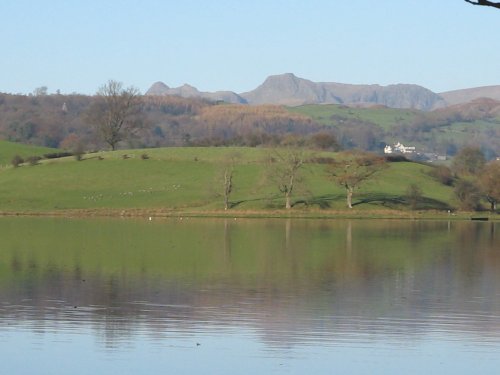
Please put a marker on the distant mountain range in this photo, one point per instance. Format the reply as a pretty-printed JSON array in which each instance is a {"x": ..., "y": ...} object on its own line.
[{"x": 288, "y": 89}]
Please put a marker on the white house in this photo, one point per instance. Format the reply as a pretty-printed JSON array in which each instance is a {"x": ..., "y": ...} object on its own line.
[{"x": 399, "y": 147}]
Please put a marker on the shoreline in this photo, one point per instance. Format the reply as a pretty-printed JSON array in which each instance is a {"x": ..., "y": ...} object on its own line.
[{"x": 257, "y": 214}]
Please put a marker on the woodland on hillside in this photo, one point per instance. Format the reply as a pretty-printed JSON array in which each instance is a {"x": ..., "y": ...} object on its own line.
[
  {"x": 447, "y": 130},
  {"x": 63, "y": 121}
]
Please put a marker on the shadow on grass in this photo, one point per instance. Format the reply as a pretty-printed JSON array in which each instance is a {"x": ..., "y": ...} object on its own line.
[
  {"x": 237, "y": 203},
  {"x": 399, "y": 201},
  {"x": 390, "y": 201},
  {"x": 326, "y": 202},
  {"x": 323, "y": 201}
]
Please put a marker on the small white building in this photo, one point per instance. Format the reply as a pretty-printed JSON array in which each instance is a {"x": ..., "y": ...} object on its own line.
[{"x": 399, "y": 147}]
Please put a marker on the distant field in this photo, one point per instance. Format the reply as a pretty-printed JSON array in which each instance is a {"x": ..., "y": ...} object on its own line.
[
  {"x": 384, "y": 117},
  {"x": 428, "y": 131},
  {"x": 462, "y": 131},
  {"x": 190, "y": 179}
]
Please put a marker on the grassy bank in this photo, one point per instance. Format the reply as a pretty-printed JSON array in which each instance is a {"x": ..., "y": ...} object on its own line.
[
  {"x": 187, "y": 181},
  {"x": 9, "y": 149}
]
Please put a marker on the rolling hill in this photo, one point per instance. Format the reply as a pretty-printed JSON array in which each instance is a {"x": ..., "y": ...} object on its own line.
[
  {"x": 189, "y": 180},
  {"x": 442, "y": 131},
  {"x": 471, "y": 94},
  {"x": 9, "y": 149}
]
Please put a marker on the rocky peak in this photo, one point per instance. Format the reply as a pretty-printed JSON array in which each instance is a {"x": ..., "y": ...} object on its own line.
[
  {"x": 158, "y": 88},
  {"x": 288, "y": 89},
  {"x": 285, "y": 89},
  {"x": 187, "y": 91}
]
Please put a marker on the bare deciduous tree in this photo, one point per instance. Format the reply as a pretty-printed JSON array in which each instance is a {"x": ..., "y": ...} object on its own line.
[
  {"x": 40, "y": 91},
  {"x": 352, "y": 169},
  {"x": 468, "y": 195},
  {"x": 228, "y": 186},
  {"x": 484, "y": 3},
  {"x": 116, "y": 112},
  {"x": 285, "y": 165},
  {"x": 227, "y": 177},
  {"x": 468, "y": 161},
  {"x": 413, "y": 195},
  {"x": 489, "y": 182}
]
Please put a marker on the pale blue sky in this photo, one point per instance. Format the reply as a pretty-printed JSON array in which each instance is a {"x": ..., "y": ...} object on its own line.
[{"x": 77, "y": 45}]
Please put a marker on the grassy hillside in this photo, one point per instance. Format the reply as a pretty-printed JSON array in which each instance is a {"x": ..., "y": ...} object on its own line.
[
  {"x": 189, "y": 179},
  {"x": 9, "y": 149},
  {"x": 381, "y": 116},
  {"x": 442, "y": 131}
]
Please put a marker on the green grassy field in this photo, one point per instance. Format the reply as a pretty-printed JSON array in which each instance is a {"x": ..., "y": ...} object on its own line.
[
  {"x": 9, "y": 149},
  {"x": 384, "y": 117},
  {"x": 189, "y": 180}
]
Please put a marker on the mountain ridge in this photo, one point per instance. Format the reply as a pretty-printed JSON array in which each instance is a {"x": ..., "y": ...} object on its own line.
[
  {"x": 288, "y": 89},
  {"x": 187, "y": 91},
  {"x": 470, "y": 94}
]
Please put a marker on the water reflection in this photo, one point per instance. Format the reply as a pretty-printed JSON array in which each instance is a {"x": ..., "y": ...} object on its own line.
[{"x": 285, "y": 283}]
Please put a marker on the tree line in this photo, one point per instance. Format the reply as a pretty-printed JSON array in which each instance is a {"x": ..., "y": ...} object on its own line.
[
  {"x": 118, "y": 116},
  {"x": 74, "y": 122}
]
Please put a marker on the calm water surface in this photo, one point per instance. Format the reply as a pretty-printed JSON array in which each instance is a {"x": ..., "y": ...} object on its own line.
[{"x": 248, "y": 296}]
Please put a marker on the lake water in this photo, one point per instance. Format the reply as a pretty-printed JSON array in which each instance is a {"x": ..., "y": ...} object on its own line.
[{"x": 202, "y": 296}]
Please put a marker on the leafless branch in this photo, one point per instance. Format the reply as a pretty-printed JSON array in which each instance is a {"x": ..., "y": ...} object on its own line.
[{"x": 485, "y": 3}]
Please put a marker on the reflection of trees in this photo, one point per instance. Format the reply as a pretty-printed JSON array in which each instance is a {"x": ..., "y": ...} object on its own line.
[
  {"x": 288, "y": 231},
  {"x": 227, "y": 240},
  {"x": 348, "y": 237},
  {"x": 492, "y": 232},
  {"x": 291, "y": 280}
]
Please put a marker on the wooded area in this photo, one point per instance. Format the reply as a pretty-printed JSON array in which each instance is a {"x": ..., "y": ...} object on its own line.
[{"x": 68, "y": 122}]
